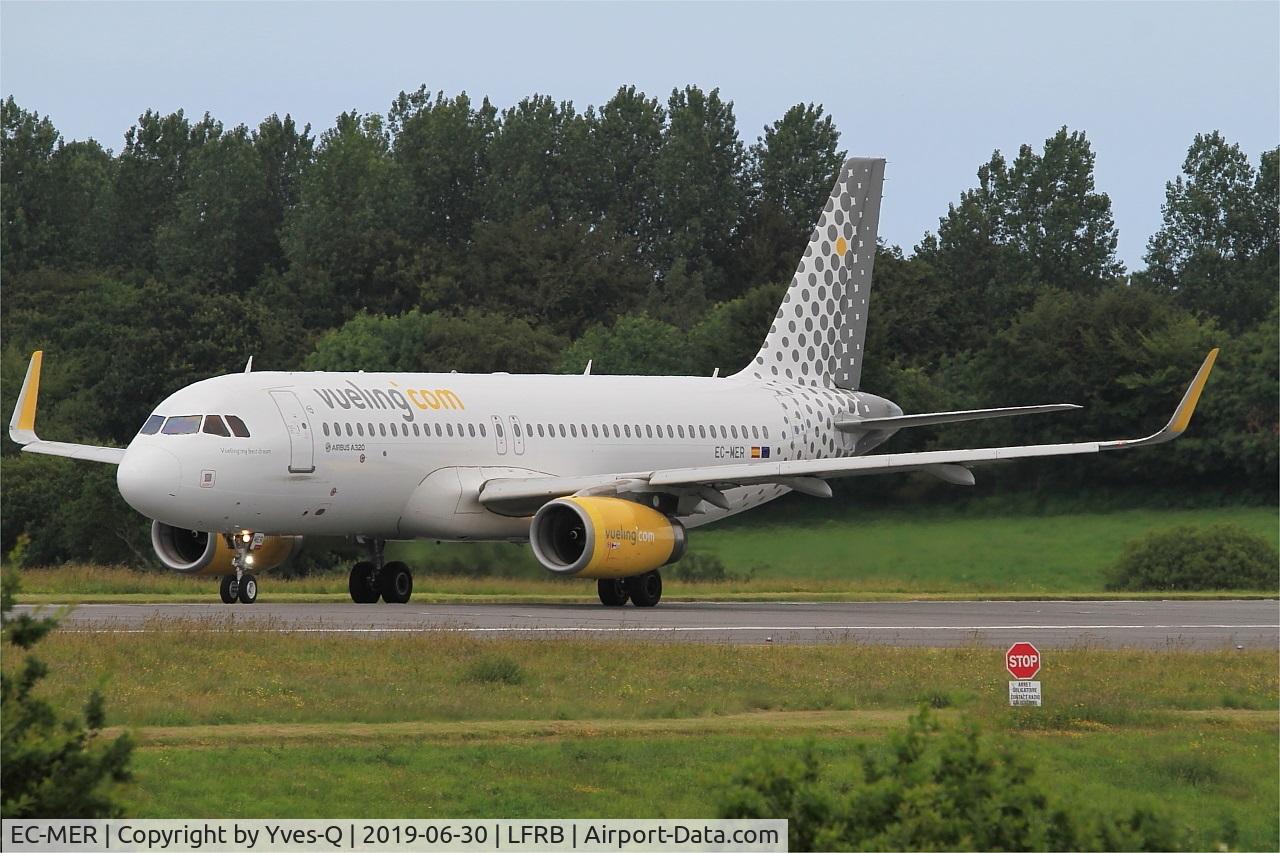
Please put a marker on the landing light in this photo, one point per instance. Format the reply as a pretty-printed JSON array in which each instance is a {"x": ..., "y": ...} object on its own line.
[
  {"x": 246, "y": 536},
  {"x": 248, "y": 561}
]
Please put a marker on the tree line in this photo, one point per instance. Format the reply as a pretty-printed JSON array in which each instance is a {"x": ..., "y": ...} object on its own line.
[{"x": 643, "y": 234}]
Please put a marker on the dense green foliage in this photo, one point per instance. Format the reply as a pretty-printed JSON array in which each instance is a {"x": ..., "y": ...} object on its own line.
[
  {"x": 643, "y": 235},
  {"x": 53, "y": 766},
  {"x": 935, "y": 788},
  {"x": 1224, "y": 556}
]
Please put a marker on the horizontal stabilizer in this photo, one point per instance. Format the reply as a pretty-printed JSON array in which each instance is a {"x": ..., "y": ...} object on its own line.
[{"x": 855, "y": 424}]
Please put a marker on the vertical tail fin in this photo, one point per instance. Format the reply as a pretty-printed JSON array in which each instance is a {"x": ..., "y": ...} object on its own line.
[{"x": 817, "y": 335}]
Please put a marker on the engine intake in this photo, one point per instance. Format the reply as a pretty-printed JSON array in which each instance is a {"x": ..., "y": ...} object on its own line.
[
  {"x": 196, "y": 552},
  {"x": 604, "y": 537}
]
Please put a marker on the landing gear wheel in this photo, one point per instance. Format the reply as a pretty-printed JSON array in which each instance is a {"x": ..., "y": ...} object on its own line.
[
  {"x": 613, "y": 591},
  {"x": 229, "y": 589},
  {"x": 360, "y": 584},
  {"x": 248, "y": 591},
  {"x": 396, "y": 582},
  {"x": 645, "y": 589}
]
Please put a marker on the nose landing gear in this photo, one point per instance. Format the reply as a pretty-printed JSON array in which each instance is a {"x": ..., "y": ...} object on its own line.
[
  {"x": 242, "y": 586},
  {"x": 372, "y": 579}
]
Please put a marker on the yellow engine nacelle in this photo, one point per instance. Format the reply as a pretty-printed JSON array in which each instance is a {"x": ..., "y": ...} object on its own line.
[
  {"x": 195, "y": 552},
  {"x": 604, "y": 537}
]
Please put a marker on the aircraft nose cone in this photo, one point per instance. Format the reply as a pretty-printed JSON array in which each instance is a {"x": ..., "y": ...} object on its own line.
[{"x": 148, "y": 479}]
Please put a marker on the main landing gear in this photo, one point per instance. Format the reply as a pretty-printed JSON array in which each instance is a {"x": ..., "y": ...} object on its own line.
[
  {"x": 372, "y": 579},
  {"x": 643, "y": 590},
  {"x": 242, "y": 586}
]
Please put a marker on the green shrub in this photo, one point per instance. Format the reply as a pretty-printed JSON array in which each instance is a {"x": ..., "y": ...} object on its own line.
[
  {"x": 697, "y": 566},
  {"x": 1224, "y": 556},
  {"x": 54, "y": 766},
  {"x": 935, "y": 788}
]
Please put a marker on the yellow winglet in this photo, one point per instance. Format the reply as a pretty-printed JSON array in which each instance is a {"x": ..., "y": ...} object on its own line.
[
  {"x": 1182, "y": 416},
  {"x": 22, "y": 426}
]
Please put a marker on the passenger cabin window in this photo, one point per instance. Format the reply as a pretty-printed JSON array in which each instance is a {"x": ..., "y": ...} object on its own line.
[
  {"x": 182, "y": 425},
  {"x": 152, "y": 426},
  {"x": 213, "y": 425},
  {"x": 238, "y": 429}
]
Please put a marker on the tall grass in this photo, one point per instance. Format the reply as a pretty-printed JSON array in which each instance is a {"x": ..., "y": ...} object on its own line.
[{"x": 190, "y": 675}]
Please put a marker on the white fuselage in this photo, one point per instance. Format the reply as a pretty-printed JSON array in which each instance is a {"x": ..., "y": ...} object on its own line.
[{"x": 399, "y": 455}]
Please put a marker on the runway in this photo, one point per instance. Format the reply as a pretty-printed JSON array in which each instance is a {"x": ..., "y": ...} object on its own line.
[{"x": 1112, "y": 624}]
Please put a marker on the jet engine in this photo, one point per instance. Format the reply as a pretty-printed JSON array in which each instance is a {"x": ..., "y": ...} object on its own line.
[
  {"x": 592, "y": 537},
  {"x": 195, "y": 552}
]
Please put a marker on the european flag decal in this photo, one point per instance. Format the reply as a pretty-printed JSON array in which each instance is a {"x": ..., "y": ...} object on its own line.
[{"x": 764, "y": 453}]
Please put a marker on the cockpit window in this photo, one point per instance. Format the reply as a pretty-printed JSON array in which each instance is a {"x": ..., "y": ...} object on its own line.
[
  {"x": 213, "y": 425},
  {"x": 182, "y": 425},
  {"x": 152, "y": 426},
  {"x": 238, "y": 429}
]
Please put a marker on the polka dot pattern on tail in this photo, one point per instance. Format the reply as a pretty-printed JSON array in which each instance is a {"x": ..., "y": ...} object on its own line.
[{"x": 818, "y": 333}]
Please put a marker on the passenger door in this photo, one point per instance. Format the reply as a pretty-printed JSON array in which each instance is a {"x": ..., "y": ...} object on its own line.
[{"x": 296, "y": 423}]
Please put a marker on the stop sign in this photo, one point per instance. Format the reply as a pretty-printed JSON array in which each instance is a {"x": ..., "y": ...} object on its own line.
[{"x": 1022, "y": 661}]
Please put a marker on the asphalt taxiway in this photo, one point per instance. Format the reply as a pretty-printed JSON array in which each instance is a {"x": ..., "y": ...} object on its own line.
[{"x": 1171, "y": 625}]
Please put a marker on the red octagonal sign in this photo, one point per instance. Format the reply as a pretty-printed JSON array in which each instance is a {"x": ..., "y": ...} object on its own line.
[{"x": 1022, "y": 661}]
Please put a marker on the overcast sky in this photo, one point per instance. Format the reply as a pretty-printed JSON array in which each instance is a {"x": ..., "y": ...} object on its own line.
[{"x": 932, "y": 87}]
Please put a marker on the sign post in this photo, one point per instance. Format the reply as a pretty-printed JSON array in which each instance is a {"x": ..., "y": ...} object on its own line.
[{"x": 1023, "y": 662}]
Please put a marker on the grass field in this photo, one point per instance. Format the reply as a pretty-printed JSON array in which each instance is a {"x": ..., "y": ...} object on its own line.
[
  {"x": 449, "y": 726},
  {"x": 809, "y": 555}
]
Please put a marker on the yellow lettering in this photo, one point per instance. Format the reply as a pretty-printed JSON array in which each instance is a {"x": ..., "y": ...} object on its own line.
[
  {"x": 441, "y": 398},
  {"x": 448, "y": 399}
]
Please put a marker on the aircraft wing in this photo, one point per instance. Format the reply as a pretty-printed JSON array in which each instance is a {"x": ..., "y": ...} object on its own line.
[
  {"x": 22, "y": 425},
  {"x": 516, "y": 495}
]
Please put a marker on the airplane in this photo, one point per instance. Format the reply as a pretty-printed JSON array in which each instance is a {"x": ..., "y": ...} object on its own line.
[{"x": 603, "y": 476}]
